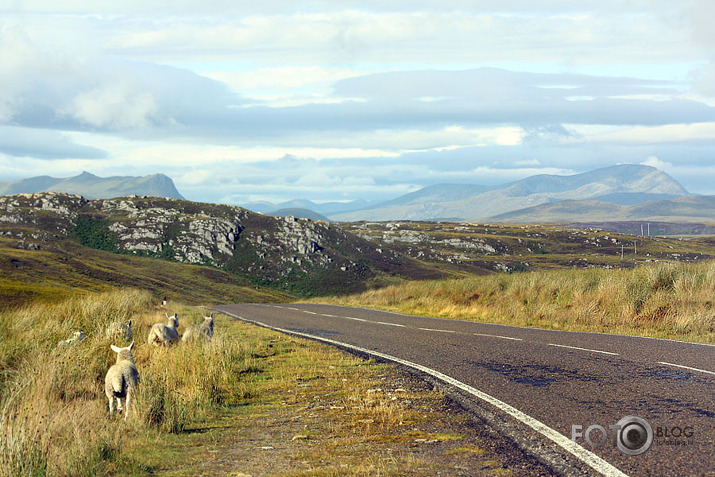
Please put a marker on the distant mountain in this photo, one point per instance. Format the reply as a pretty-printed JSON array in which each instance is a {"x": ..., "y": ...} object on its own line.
[
  {"x": 323, "y": 209},
  {"x": 683, "y": 209},
  {"x": 438, "y": 193},
  {"x": 94, "y": 187},
  {"x": 626, "y": 184}
]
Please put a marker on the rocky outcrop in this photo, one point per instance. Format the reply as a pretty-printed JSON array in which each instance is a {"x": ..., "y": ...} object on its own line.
[
  {"x": 164, "y": 227},
  {"x": 267, "y": 249}
]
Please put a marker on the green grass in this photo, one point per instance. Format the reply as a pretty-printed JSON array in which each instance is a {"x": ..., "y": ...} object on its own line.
[
  {"x": 674, "y": 300},
  {"x": 67, "y": 268}
]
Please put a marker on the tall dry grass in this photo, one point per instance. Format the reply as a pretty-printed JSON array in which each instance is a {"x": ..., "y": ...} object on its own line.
[
  {"x": 52, "y": 421},
  {"x": 53, "y": 411},
  {"x": 660, "y": 300}
]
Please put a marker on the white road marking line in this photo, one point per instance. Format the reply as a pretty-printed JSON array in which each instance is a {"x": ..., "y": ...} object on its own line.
[
  {"x": 389, "y": 324},
  {"x": 440, "y": 331},
  {"x": 498, "y": 336},
  {"x": 586, "y": 456},
  {"x": 309, "y": 312},
  {"x": 686, "y": 367},
  {"x": 423, "y": 329},
  {"x": 584, "y": 349}
]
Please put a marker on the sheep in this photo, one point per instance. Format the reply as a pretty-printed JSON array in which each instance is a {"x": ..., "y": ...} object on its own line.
[
  {"x": 122, "y": 380},
  {"x": 203, "y": 331},
  {"x": 117, "y": 330},
  {"x": 77, "y": 336},
  {"x": 161, "y": 334}
]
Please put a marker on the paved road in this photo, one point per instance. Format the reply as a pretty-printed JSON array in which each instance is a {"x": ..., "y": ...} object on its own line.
[{"x": 539, "y": 384}]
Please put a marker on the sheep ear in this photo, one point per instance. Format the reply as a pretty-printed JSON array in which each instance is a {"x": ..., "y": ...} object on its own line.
[
  {"x": 115, "y": 349},
  {"x": 130, "y": 323},
  {"x": 131, "y": 346}
]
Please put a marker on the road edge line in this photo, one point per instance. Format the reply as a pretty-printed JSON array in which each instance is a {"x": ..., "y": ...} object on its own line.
[{"x": 589, "y": 458}]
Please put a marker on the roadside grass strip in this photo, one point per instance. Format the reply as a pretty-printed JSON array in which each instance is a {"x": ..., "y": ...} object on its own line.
[{"x": 594, "y": 461}]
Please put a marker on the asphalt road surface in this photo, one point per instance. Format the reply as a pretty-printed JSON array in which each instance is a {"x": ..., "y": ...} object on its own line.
[{"x": 545, "y": 389}]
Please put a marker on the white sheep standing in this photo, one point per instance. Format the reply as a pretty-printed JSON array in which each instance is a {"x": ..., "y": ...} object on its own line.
[
  {"x": 77, "y": 336},
  {"x": 122, "y": 380},
  {"x": 161, "y": 334},
  {"x": 203, "y": 331},
  {"x": 117, "y": 330}
]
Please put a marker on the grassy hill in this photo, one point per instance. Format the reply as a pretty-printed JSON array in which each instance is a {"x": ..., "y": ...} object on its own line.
[
  {"x": 53, "y": 244},
  {"x": 66, "y": 268},
  {"x": 298, "y": 256}
]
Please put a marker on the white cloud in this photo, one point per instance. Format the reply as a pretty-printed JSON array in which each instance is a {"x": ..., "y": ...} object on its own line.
[
  {"x": 670, "y": 133},
  {"x": 653, "y": 161},
  {"x": 330, "y": 98},
  {"x": 114, "y": 106}
]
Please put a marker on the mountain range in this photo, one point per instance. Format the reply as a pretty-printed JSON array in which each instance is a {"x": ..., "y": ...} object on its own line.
[
  {"x": 682, "y": 209},
  {"x": 94, "y": 187},
  {"x": 305, "y": 207},
  {"x": 622, "y": 185},
  {"x": 626, "y": 192}
]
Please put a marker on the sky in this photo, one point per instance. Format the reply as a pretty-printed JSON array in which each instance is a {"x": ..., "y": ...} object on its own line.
[{"x": 336, "y": 100}]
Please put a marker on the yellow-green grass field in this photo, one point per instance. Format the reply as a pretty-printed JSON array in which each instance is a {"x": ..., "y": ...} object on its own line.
[
  {"x": 250, "y": 402},
  {"x": 674, "y": 300}
]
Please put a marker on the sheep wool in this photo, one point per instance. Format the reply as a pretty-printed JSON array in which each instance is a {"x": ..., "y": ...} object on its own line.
[
  {"x": 122, "y": 380},
  {"x": 161, "y": 334},
  {"x": 202, "y": 331}
]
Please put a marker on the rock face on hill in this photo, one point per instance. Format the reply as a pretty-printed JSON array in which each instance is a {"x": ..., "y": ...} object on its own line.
[{"x": 299, "y": 254}]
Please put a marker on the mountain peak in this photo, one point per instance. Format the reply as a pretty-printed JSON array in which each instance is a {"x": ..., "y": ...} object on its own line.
[{"x": 84, "y": 176}]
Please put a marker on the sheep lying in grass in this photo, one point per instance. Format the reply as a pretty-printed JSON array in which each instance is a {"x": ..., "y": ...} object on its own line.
[
  {"x": 122, "y": 380},
  {"x": 161, "y": 334},
  {"x": 203, "y": 331},
  {"x": 121, "y": 331},
  {"x": 76, "y": 338}
]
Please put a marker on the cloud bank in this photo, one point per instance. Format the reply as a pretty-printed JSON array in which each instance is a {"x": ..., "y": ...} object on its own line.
[{"x": 344, "y": 100}]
